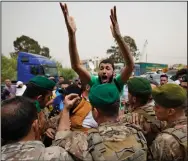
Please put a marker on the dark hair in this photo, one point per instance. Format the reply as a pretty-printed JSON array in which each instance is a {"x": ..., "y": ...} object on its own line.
[
  {"x": 17, "y": 116},
  {"x": 109, "y": 61},
  {"x": 164, "y": 75},
  {"x": 143, "y": 99},
  {"x": 65, "y": 82},
  {"x": 184, "y": 78},
  {"x": 61, "y": 76},
  {"x": 181, "y": 72},
  {"x": 73, "y": 88},
  {"x": 33, "y": 91},
  {"x": 110, "y": 110}
]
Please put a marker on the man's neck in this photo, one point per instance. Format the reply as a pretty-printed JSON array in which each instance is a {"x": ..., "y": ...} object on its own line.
[
  {"x": 176, "y": 117},
  {"x": 107, "y": 119},
  {"x": 29, "y": 137}
]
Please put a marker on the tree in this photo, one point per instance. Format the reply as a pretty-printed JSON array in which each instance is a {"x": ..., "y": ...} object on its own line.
[
  {"x": 27, "y": 44},
  {"x": 45, "y": 51},
  {"x": 8, "y": 68},
  {"x": 67, "y": 73},
  {"x": 115, "y": 54}
]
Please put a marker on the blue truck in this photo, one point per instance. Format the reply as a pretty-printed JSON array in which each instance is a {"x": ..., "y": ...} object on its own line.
[{"x": 30, "y": 65}]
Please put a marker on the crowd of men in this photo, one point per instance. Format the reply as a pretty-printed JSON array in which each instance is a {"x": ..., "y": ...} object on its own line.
[{"x": 86, "y": 121}]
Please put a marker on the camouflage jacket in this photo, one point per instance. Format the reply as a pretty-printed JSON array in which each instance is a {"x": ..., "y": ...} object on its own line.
[
  {"x": 166, "y": 147},
  {"x": 150, "y": 125},
  {"x": 35, "y": 150},
  {"x": 111, "y": 141}
]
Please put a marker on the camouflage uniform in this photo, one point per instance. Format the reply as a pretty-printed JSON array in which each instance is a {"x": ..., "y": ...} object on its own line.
[
  {"x": 171, "y": 144},
  {"x": 154, "y": 126},
  {"x": 35, "y": 150},
  {"x": 112, "y": 141}
]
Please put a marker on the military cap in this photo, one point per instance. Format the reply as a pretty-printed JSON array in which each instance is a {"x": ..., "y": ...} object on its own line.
[
  {"x": 169, "y": 95},
  {"x": 103, "y": 94},
  {"x": 139, "y": 86},
  {"x": 43, "y": 82}
]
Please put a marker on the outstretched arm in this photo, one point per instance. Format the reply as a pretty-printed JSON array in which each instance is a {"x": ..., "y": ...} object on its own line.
[
  {"x": 127, "y": 71},
  {"x": 73, "y": 51}
]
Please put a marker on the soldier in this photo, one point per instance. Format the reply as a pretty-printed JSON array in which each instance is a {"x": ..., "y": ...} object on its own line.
[
  {"x": 141, "y": 106},
  {"x": 22, "y": 129},
  {"x": 171, "y": 143},
  {"x": 112, "y": 140}
]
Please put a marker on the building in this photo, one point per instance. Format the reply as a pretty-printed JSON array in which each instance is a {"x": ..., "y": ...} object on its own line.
[{"x": 95, "y": 61}]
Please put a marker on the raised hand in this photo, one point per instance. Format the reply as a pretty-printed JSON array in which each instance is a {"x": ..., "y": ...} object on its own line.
[
  {"x": 70, "y": 100},
  {"x": 114, "y": 26},
  {"x": 70, "y": 23}
]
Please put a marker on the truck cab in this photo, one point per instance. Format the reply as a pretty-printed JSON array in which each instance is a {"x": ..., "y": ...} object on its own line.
[{"x": 30, "y": 65}]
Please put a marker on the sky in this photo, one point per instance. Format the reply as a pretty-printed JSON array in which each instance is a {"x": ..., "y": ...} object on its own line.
[{"x": 162, "y": 24}]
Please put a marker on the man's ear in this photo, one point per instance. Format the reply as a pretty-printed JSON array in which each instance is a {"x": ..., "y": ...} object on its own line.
[
  {"x": 95, "y": 113},
  {"x": 36, "y": 129},
  {"x": 134, "y": 99},
  {"x": 39, "y": 98},
  {"x": 171, "y": 112}
]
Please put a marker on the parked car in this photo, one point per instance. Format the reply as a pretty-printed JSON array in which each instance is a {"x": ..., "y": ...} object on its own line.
[
  {"x": 172, "y": 74},
  {"x": 147, "y": 73}
]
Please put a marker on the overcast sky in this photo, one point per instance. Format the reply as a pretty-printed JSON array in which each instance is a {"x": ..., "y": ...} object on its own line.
[{"x": 163, "y": 24}]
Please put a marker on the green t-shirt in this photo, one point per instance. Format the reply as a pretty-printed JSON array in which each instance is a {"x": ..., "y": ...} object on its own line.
[{"x": 117, "y": 81}]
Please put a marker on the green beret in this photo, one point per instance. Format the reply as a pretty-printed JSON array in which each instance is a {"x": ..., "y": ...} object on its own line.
[
  {"x": 139, "y": 86},
  {"x": 169, "y": 95},
  {"x": 43, "y": 82},
  {"x": 103, "y": 94}
]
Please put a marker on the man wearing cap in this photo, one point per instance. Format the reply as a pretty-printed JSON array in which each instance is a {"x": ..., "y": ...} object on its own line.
[
  {"x": 20, "y": 88},
  {"x": 40, "y": 90},
  {"x": 112, "y": 140},
  {"x": 141, "y": 108},
  {"x": 170, "y": 104}
]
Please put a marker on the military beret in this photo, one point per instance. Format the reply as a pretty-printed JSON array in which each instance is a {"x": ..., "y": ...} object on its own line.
[
  {"x": 169, "y": 95},
  {"x": 103, "y": 94},
  {"x": 43, "y": 82},
  {"x": 139, "y": 86}
]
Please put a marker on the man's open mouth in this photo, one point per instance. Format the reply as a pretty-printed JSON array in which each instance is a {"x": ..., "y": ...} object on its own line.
[{"x": 104, "y": 79}]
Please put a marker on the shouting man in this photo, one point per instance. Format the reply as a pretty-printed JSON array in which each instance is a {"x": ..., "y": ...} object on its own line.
[{"x": 106, "y": 67}]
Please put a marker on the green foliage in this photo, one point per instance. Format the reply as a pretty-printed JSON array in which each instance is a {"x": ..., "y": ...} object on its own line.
[
  {"x": 45, "y": 51},
  {"x": 68, "y": 73},
  {"x": 8, "y": 68},
  {"x": 27, "y": 44},
  {"x": 115, "y": 53}
]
